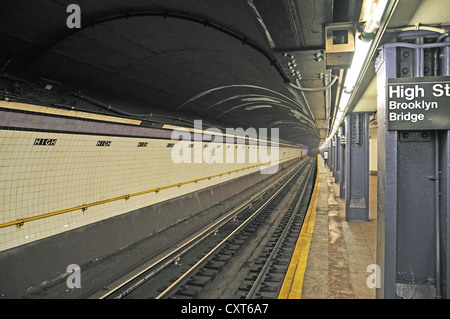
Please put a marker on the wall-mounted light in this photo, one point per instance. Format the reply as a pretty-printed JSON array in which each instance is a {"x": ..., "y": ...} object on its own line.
[
  {"x": 361, "y": 51},
  {"x": 371, "y": 16}
]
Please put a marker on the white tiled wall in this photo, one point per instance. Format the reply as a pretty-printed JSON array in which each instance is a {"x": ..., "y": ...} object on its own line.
[{"x": 40, "y": 179}]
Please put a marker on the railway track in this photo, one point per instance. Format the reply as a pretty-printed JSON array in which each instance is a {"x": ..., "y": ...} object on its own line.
[
  {"x": 245, "y": 254},
  {"x": 265, "y": 280}
]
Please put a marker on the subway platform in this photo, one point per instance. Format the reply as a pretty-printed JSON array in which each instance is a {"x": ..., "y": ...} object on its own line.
[{"x": 333, "y": 254}]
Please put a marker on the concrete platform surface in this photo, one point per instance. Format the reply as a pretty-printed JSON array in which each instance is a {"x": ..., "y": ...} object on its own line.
[{"x": 340, "y": 250}]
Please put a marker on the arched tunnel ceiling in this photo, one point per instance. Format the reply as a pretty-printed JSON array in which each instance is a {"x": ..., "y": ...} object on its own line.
[{"x": 223, "y": 62}]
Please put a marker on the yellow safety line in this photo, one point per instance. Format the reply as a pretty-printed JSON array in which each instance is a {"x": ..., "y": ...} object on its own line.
[
  {"x": 19, "y": 223},
  {"x": 293, "y": 281}
]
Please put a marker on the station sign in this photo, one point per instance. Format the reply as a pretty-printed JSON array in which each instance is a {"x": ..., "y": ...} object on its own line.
[
  {"x": 45, "y": 141},
  {"x": 103, "y": 143},
  {"x": 419, "y": 103}
]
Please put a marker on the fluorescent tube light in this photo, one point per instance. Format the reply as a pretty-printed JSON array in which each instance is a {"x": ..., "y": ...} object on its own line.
[
  {"x": 374, "y": 17},
  {"x": 359, "y": 57},
  {"x": 374, "y": 10}
]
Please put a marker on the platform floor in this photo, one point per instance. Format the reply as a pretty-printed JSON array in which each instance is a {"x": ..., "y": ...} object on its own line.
[{"x": 340, "y": 250}]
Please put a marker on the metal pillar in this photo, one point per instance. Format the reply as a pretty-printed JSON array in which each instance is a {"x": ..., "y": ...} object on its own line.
[
  {"x": 337, "y": 166},
  {"x": 413, "y": 168},
  {"x": 444, "y": 160},
  {"x": 342, "y": 161},
  {"x": 331, "y": 155},
  {"x": 444, "y": 187},
  {"x": 357, "y": 166}
]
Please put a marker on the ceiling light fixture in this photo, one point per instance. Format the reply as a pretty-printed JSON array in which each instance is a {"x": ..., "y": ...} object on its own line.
[{"x": 371, "y": 14}]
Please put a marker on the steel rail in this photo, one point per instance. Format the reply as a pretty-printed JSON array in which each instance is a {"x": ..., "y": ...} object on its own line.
[
  {"x": 256, "y": 284},
  {"x": 170, "y": 257},
  {"x": 221, "y": 243}
]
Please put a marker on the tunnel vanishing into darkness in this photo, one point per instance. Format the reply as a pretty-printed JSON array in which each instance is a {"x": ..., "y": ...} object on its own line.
[{"x": 95, "y": 97}]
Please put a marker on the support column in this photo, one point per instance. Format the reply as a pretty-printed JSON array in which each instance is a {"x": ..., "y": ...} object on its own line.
[
  {"x": 331, "y": 155},
  {"x": 342, "y": 161},
  {"x": 444, "y": 160},
  {"x": 337, "y": 166},
  {"x": 413, "y": 166},
  {"x": 357, "y": 166}
]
